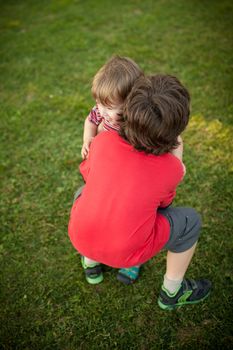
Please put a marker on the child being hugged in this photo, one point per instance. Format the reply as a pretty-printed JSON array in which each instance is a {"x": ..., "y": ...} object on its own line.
[
  {"x": 123, "y": 216},
  {"x": 110, "y": 87}
]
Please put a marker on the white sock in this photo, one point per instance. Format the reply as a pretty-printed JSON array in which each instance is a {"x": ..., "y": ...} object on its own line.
[
  {"x": 171, "y": 286},
  {"x": 89, "y": 262}
]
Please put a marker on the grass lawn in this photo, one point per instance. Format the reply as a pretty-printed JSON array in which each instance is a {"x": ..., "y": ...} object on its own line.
[{"x": 50, "y": 51}]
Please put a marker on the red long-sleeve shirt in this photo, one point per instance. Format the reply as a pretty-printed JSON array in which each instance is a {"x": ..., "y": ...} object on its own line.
[{"x": 115, "y": 220}]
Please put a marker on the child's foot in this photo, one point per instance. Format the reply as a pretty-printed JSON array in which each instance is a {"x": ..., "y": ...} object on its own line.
[
  {"x": 93, "y": 272},
  {"x": 190, "y": 292},
  {"x": 128, "y": 275}
]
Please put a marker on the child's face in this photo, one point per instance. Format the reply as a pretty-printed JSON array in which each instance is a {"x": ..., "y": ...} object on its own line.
[{"x": 110, "y": 113}]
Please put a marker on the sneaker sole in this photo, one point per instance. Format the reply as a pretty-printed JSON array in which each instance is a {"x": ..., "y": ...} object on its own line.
[
  {"x": 175, "y": 306},
  {"x": 96, "y": 280},
  {"x": 126, "y": 280}
]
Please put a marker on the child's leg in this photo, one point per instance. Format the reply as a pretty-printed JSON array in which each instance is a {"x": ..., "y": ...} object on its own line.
[
  {"x": 177, "y": 263},
  {"x": 92, "y": 269},
  {"x": 176, "y": 290}
]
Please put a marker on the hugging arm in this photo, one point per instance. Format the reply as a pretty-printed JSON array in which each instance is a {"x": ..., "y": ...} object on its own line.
[{"x": 90, "y": 131}]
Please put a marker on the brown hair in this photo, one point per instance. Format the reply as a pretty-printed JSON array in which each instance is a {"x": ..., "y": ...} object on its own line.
[
  {"x": 113, "y": 82},
  {"x": 156, "y": 112}
]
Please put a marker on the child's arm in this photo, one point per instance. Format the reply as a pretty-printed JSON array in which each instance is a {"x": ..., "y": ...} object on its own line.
[
  {"x": 90, "y": 131},
  {"x": 178, "y": 152},
  {"x": 100, "y": 127}
]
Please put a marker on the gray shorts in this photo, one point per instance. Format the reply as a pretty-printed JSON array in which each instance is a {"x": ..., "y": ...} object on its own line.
[
  {"x": 78, "y": 193},
  {"x": 185, "y": 225}
]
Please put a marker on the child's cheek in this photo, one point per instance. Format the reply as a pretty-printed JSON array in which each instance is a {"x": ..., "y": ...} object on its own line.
[{"x": 114, "y": 117}]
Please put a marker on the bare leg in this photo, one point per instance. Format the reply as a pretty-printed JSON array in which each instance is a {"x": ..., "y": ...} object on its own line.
[
  {"x": 177, "y": 291},
  {"x": 177, "y": 263}
]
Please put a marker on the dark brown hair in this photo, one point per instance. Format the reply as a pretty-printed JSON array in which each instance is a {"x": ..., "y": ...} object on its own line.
[
  {"x": 156, "y": 112},
  {"x": 113, "y": 82}
]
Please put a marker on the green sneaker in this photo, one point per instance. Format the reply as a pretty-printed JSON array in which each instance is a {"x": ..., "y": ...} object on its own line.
[
  {"x": 190, "y": 292},
  {"x": 93, "y": 273}
]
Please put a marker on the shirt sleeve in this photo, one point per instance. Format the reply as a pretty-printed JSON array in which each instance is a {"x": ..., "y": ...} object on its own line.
[{"x": 94, "y": 116}]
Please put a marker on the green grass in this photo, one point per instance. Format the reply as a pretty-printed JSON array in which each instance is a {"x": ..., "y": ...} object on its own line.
[{"x": 50, "y": 51}]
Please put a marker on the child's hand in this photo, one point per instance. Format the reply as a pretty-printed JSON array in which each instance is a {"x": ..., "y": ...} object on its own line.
[
  {"x": 85, "y": 148},
  {"x": 178, "y": 151}
]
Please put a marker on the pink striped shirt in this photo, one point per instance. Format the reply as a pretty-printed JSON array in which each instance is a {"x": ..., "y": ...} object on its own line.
[{"x": 96, "y": 118}]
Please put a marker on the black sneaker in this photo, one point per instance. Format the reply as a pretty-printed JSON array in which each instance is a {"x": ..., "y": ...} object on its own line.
[{"x": 190, "y": 292}]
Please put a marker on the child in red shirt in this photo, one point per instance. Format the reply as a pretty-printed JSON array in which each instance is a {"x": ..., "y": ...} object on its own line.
[{"x": 122, "y": 217}]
